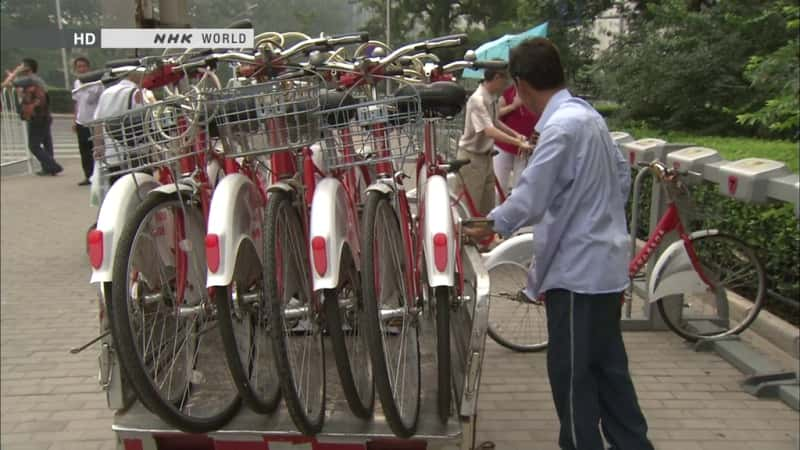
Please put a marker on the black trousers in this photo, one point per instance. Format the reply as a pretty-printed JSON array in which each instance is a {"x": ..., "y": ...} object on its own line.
[
  {"x": 85, "y": 146},
  {"x": 40, "y": 143},
  {"x": 588, "y": 370}
]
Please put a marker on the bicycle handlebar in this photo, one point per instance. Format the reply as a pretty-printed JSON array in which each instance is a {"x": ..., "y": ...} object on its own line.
[
  {"x": 453, "y": 40},
  {"x": 116, "y": 63},
  {"x": 90, "y": 77},
  {"x": 243, "y": 23},
  {"x": 347, "y": 39},
  {"x": 491, "y": 65}
]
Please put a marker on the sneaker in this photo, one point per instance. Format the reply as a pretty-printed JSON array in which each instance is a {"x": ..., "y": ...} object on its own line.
[
  {"x": 43, "y": 173},
  {"x": 57, "y": 171},
  {"x": 84, "y": 183}
]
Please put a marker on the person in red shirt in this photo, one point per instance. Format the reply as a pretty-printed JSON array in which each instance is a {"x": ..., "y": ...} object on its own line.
[{"x": 510, "y": 161}]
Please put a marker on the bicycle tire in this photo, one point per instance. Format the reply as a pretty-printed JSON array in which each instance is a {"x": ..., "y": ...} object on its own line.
[
  {"x": 360, "y": 395},
  {"x": 279, "y": 291},
  {"x": 701, "y": 246},
  {"x": 259, "y": 394},
  {"x": 510, "y": 340},
  {"x": 403, "y": 425},
  {"x": 443, "y": 296},
  {"x": 131, "y": 361}
]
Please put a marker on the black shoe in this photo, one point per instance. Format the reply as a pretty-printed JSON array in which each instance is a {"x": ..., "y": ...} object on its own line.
[
  {"x": 57, "y": 171},
  {"x": 43, "y": 173},
  {"x": 84, "y": 183}
]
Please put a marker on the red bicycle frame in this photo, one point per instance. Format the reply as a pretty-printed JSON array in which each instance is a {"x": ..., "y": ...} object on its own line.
[{"x": 669, "y": 221}]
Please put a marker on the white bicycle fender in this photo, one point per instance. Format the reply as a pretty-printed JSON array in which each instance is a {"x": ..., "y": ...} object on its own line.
[
  {"x": 280, "y": 186},
  {"x": 673, "y": 272},
  {"x": 331, "y": 228},
  {"x": 235, "y": 216},
  {"x": 438, "y": 234},
  {"x": 518, "y": 249},
  {"x": 383, "y": 188},
  {"x": 122, "y": 199},
  {"x": 173, "y": 188}
]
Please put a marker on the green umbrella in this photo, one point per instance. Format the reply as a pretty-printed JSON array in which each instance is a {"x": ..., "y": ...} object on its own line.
[{"x": 500, "y": 47}]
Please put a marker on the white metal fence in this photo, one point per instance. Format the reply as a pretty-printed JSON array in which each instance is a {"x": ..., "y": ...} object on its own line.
[{"x": 14, "y": 139}]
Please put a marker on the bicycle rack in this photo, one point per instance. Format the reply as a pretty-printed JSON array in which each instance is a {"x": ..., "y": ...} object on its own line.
[
  {"x": 751, "y": 180},
  {"x": 637, "y": 152}
]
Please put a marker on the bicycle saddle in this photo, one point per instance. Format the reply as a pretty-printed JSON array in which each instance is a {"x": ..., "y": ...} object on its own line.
[
  {"x": 439, "y": 99},
  {"x": 456, "y": 165}
]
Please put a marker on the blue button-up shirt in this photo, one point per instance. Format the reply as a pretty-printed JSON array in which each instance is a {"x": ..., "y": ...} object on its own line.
[{"x": 573, "y": 192}]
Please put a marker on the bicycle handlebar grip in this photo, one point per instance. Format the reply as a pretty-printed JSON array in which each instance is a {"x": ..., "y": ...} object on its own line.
[
  {"x": 491, "y": 65},
  {"x": 393, "y": 73},
  {"x": 88, "y": 77},
  {"x": 123, "y": 62},
  {"x": 244, "y": 23},
  {"x": 453, "y": 40},
  {"x": 347, "y": 39},
  {"x": 199, "y": 53}
]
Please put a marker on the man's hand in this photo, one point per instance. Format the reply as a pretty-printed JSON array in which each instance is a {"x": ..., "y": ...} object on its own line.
[
  {"x": 99, "y": 152},
  {"x": 478, "y": 231},
  {"x": 534, "y": 139}
]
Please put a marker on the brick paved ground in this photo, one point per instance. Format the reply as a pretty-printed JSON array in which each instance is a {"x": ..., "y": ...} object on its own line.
[{"x": 51, "y": 400}]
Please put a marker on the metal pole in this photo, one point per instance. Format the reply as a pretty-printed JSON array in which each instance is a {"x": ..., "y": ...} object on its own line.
[
  {"x": 388, "y": 38},
  {"x": 389, "y": 23},
  {"x": 63, "y": 50}
]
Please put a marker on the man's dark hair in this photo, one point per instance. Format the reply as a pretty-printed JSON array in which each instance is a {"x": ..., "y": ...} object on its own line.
[
  {"x": 81, "y": 58},
  {"x": 491, "y": 74},
  {"x": 31, "y": 64},
  {"x": 538, "y": 62}
]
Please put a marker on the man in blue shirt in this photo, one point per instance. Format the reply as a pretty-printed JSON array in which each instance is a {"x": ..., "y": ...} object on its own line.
[{"x": 573, "y": 192}]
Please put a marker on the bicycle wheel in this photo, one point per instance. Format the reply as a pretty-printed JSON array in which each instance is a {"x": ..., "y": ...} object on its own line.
[
  {"x": 243, "y": 314},
  {"x": 296, "y": 328},
  {"x": 392, "y": 327},
  {"x": 515, "y": 321},
  {"x": 345, "y": 317},
  {"x": 162, "y": 319},
  {"x": 731, "y": 267},
  {"x": 443, "y": 296}
]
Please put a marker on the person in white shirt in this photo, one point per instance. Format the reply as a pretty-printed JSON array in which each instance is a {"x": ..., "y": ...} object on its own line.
[
  {"x": 85, "y": 104},
  {"x": 115, "y": 100}
]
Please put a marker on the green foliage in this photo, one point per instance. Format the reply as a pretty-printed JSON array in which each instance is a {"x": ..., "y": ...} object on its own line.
[
  {"x": 412, "y": 19},
  {"x": 683, "y": 69},
  {"x": 569, "y": 28},
  {"x": 778, "y": 76},
  {"x": 731, "y": 148},
  {"x": 60, "y": 100}
]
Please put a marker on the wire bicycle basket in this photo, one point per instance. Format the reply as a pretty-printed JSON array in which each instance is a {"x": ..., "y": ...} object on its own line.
[
  {"x": 377, "y": 131},
  {"x": 262, "y": 118},
  {"x": 151, "y": 135},
  {"x": 448, "y": 133}
]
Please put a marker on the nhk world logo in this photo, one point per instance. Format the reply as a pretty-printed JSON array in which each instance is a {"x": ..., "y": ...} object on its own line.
[{"x": 176, "y": 38}]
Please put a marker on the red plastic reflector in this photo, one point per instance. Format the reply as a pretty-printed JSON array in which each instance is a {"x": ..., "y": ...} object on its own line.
[
  {"x": 212, "y": 252},
  {"x": 320, "y": 254},
  {"x": 440, "y": 251},
  {"x": 94, "y": 241},
  {"x": 733, "y": 182}
]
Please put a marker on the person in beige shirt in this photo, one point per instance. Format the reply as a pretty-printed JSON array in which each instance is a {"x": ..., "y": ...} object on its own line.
[{"x": 481, "y": 130}]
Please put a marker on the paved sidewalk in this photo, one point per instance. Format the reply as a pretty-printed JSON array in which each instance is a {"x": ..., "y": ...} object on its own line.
[{"x": 51, "y": 399}]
